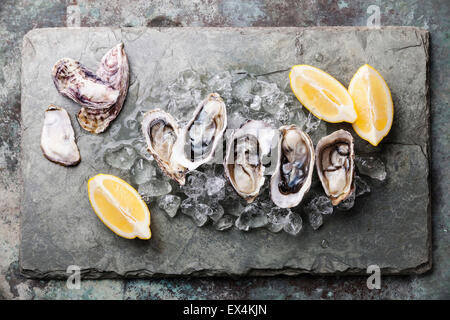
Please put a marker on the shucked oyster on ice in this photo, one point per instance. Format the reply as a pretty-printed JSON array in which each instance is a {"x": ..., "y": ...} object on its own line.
[
  {"x": 199, "y": 138},
  {"x": 102, "y": 94},
  {"x": 178, "y": 151},
  {"x": 58, "y": 138},
  {"x": 244, "y": 157},
  {"x": 335, "y": 165},
  {"x": 293, "y": 174},
  {"x": 161, "y": 132}
]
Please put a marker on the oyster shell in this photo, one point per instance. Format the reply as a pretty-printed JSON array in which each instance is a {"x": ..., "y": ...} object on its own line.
[
  {"x": 114, "y": 70},
  {"x": 58, "y": 138},
  {"x": 244, "y": 157},
  {"x": 161, "y": 132},
  {"x": 293, "y": 173},
  {"x": 199, "y": 138},
  {"x": 101, "y": 95},
  {"x": 76, "y": 82},
  {"x": 335, "y": 165}
]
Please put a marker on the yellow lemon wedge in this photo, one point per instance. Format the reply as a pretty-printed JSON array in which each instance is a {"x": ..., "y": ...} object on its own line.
[
  {"x": 320, "y": 93},
  {"x": 119, "y": 206},
  {"x": 373, "y": 103}
]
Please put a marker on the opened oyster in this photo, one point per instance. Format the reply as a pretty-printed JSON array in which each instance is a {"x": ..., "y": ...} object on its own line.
[
  {"x": 244, "y": 157},
  {"x": 102, "y": 94},
  {"x": 293, "y": 173},
  {"x": 161, "y": 132},
  {"x": 58, "y": 138},
  {"x": 335, "y": 165},
  {"x": 199, "y": 138}
]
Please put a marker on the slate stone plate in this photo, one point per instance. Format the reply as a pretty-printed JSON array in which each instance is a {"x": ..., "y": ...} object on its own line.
[{"x": 389, "y": 228}]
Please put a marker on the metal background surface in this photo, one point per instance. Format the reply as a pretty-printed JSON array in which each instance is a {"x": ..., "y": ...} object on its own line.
[{"x": 18, "y": 17}]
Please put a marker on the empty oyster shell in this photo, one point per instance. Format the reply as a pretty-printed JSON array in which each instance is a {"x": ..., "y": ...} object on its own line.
[
  {"x": 58, "y": 138},
  {"x": 199, "y": 138},
  {"x": 293, "y": 174},
  {"x": 335, "y": 165},
  {"x": 161, "y": 132},
  {"x": 244, "y": 157},
  {"x": 114, "y": 70},
  {"x": 76, "y": 82}
]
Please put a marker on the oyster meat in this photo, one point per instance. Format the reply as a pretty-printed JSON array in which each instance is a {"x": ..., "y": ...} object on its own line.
[
  {"x": 114, "y": 70},
  {"x": 293, "y": 174},
  {"x": 199, "y": 138},
  {"x": 244, "y": 166},
  {"x": 335, "y": 165},
  {"x": 101, "y": 95},
  {"x": 58, "y": 138},
  {"x": 161, "y": 132}
]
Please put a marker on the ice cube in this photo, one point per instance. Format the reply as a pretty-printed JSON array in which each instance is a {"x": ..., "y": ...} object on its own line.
[
  {"x": 256, "y": 103},
  {"x": 142, "y": 171},
  {"x": 217, "y": 211},
  {"x": 195, "y": 184},
  {"x": 315, "y": 219},
  {"x": 348, "y": 203},
  {"x": 189, "y": 79},
  {"x": 122, "y": 157},
  {"x": 235, "y": 120},
  {"x": 371, "y": 166},
  {"x": 215, "y": 187},
  {"x": 311, "y": 124},
  {"x": 141, "y": 148},
  {"x": 293, "y": 224},
  {"x": 241, "y": 90},
  {"x": 321, "y": 204},
  {"x": 362, "y": 186},
  {"x": 221, "y": 83},
  {"x": 264, "y": 89},
  {"x": 199, "y": 212},
  {"x": 277, "y": 218},
  {"x": 170, "y": 204},
  {"x": 252, "y": 217},
  {"x": 154, "y": 188},
  {"x": 224, "y": 223}
]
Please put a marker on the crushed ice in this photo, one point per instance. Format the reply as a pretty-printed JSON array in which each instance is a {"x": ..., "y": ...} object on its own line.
[{"x": 207, "y": 197}]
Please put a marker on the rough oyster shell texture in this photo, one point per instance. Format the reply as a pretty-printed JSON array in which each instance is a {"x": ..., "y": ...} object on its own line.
[
  {"x": 101, "y": 95},
  {"x": 58, "y": 138}
]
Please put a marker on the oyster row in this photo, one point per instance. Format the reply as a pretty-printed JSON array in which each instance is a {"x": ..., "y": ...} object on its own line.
[
  {"x": 102, "y": 94},
  {"x": 291, "y": 180},
  {"x": 58, "y": 138},
  {"x": 178, "y": 151}
]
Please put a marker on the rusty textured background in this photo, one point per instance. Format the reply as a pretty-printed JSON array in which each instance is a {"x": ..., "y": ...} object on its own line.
[{"x": 19, "y": 16}]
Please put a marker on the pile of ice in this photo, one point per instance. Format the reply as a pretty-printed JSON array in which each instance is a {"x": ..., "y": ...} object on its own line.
[{"x": 207, "y": 198}]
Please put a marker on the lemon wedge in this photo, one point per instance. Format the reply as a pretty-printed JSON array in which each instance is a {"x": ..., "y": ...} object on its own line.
[
  {"x": 119, "y": 206},
  {"x": 320, "y": 93},
  {"x": 373, "y": 103}
]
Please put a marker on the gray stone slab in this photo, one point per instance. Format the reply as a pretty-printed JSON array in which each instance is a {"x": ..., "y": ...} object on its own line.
[{"x": 390, "y": 227}]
